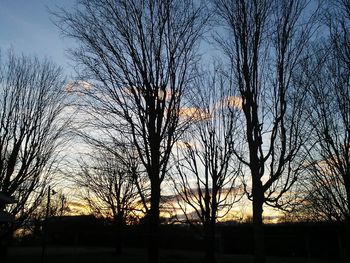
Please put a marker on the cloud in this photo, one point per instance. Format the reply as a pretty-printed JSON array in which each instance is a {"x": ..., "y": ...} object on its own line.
[
  {"x": 168, "y": 93},
  {"x": 230, "y": 102},
  {"x": 199, "y": 114},
  {"x": 129, "y": 90},
  {"x": 79, "y": 87},
  {"x": 193, "y": 113},
  {"x": 184, "y": 144}
]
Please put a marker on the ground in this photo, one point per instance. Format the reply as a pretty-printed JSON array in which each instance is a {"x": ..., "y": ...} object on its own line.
[{"x": 107, "y": 255}]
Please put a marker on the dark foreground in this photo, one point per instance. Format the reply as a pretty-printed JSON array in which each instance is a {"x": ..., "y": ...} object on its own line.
[{"x": 106, "y": 255}]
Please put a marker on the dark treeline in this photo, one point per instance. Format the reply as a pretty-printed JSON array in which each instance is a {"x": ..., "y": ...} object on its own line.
[{"x": 295, "y": 240}]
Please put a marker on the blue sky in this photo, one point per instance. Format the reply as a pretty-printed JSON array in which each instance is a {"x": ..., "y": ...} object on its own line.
[{"x": 25, "y": 26}]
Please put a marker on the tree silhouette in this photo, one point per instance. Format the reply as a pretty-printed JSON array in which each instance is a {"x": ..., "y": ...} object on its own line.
[
  {"x": 139, "y": 57},
  {"x": 32, "y": 129},
  {"x": 327, "y": 170},
  {"x": 207, "y": 170},
  {"x": 327, "y": 167},
  {"x": 114, "y": 186},
  {"x": 264, "y": 43}
]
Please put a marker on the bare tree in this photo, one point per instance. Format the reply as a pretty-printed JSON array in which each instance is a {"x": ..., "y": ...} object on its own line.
[
  {"x": 264, "y": 43},
  {"x": 207, "y": 170},
  {"x": 58, "y": 206},
  {"x": 32, "y": 129},
  {"x": 113, "y": 184},
  {"x": 138, "y": 56},
  {"x": 327, "y": 183}
]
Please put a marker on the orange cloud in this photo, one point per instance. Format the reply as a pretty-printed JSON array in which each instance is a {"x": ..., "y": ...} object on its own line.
[
  {"x": 78, "y": 87},
  {"x": 183, "y": 144},
  {"x": 193, "y": 113},
  {"x": 230, "y": 102}
]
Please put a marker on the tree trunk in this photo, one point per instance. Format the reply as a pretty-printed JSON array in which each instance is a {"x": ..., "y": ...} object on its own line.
[
  {"x": 3, "y": 245},
  {"x": 347, "y": 240},
  {"x": 153, "y": 235},
  {"x": 346, "y": 254},
  {"x": 209, "y": 239},
  {"x": 118, "y": 228},
  {"x": 259, "y": 236}
]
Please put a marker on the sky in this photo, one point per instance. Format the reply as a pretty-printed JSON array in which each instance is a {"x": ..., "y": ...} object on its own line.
[{"x": 25, "y": 26}]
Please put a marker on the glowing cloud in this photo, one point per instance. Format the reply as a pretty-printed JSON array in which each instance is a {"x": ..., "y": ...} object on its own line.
[
  {"x": 230, "y": 102},
  {"x": 79, "y": 87},
  {"x": 193, "y": 113}
]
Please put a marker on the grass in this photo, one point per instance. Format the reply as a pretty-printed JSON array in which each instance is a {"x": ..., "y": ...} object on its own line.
[{"x": 130, "y": 255}]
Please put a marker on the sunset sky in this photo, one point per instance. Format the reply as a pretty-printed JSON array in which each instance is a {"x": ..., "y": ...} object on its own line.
[{"x": 26, "y": 26}]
